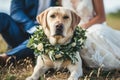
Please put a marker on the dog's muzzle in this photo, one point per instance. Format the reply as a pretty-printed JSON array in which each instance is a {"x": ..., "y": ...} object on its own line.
[{"x": 59, "y": 29}]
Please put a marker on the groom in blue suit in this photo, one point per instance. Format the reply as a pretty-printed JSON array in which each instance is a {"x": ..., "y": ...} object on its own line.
[{"x": 17, "y": 29}]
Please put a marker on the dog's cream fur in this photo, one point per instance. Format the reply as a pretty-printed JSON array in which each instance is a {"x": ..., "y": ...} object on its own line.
[{"x": 49, "y": 19}]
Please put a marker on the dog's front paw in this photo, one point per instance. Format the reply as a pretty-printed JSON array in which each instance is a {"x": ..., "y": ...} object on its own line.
[
  {"x": 72, "y": 78},
  {"x": 30, "y": 78}
]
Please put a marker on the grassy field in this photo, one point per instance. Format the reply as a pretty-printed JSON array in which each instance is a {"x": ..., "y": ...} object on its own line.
[
  {"x": 113, "y": 20},
  {"x": 25, "y": 69}
]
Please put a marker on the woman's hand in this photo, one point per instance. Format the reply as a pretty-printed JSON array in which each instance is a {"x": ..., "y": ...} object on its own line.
[
  {"x": 99, "y": 17},
  {"x": 85, "y": 26}
]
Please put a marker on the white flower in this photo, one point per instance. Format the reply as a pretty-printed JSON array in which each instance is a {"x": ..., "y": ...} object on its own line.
[
  {"x": 40, "y": 47},
  {"x": 40, "y": 27},
  {"x": 35, "y": 38},
  {"x": 81, "y": 40},
  {"x": 73, "y": 44},
  {"x": 58, "y": 56},
  {"x": 35, "y": 45}
]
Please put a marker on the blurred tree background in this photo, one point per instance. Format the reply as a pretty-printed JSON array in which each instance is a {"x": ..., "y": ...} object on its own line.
[{"x": 113, "y": 20}]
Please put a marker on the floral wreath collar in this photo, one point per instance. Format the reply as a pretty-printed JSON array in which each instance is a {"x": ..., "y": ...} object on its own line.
[{"x": 40, "y": 43}]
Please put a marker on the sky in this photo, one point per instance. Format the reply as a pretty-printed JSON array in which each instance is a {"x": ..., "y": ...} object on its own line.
[{"x": 110, "y": 6}]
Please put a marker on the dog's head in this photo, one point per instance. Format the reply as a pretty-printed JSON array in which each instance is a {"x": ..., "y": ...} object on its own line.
[{"x": 58, "y": 24}]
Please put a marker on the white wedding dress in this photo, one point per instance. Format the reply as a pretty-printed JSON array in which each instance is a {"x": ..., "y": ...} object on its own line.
[{"x": 102, "y": 47}]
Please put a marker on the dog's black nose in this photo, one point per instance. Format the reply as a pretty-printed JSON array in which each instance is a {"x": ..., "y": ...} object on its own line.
[
  {"x": 59, "y": 26},
  {"x": 59, "y": 29}
]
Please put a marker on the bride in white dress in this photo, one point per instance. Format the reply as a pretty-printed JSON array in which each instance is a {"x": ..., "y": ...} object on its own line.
[{"x": 102, "y": 47}]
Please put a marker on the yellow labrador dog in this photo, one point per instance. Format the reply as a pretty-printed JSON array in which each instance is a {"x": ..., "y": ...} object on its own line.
[{"x": 58, "y": 24}]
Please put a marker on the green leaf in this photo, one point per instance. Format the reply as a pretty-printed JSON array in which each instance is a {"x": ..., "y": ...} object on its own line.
[{"x": 68, "y": 52}]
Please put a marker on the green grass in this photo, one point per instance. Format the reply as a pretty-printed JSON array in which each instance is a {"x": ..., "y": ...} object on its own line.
[{"x": 113, "y": 20}]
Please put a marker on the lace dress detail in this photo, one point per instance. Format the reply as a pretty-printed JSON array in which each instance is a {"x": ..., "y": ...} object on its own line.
[{"x": 102, "y": 47}]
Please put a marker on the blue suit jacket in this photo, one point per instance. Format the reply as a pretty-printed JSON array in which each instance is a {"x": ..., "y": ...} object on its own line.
[{"x": 24, "y": 12}]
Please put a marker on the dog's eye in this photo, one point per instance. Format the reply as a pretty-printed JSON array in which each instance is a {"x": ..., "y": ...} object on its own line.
[
  {"x": 53, "y": 16},
  {"x": 65, "y": 17}
]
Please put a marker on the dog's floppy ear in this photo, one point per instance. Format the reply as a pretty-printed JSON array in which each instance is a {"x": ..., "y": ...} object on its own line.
[
  {"x": 42, "y": 18},
  {"x": 75, "y": 20}
]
